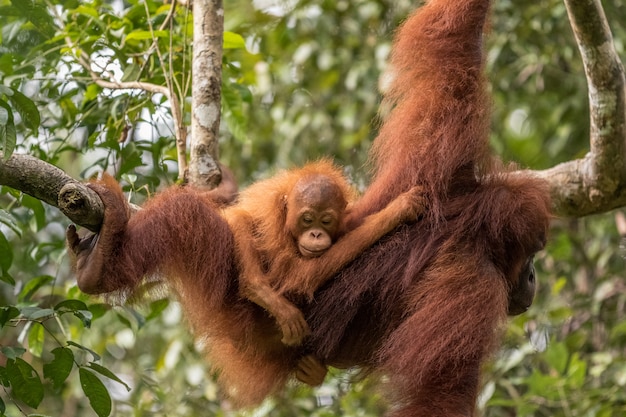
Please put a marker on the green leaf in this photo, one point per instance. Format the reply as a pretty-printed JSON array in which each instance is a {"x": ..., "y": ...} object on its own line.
[
  {"x": 4, "y": 113},
  {"x": 8, "y": 220},
  {"x": 7, "y": 313},
  {"x": 38, "y": 210},
  {"x": 8, "y": 135},
  {"x": 35, "y": 339},
  {"x": 577, "y": 370},
  {"x": 36, "y": 313},
  {"x": 91, "y": 93},
  {"x": 5, "y": 277},
  {"x": 60, "y": 367},
  {"x": 6, "y": 253},
  {"x": 124, "y": 320},
  {"x": 106, "y": 372},
  {"x": 146, "y": 34},
  {"x": 85, "y": 317},
  {"x": 78, "y": 308},
  {"x": 3, "y": 407},
  {"x": 12, "y": 352},
  {"x": 557, "y": 356},
  {"x": 36, "y": 13},
  {"x": 98, "y": 310},
  {"x": 96, "y": 357},
  {"x": 25, "y": 382},
  {"x": 33, "y": 285},
  {"x": 27, "y": 109},
  {"x": 70, "y": 306},
  {"x": 232, "y": 101},
  {"x": 131, "y": 73},
  {"x": 4, "y": 379},
  {"x": 87, "y": 11},
  {"x": 233, "y": 41},
  {"x": 97, "y": 393},
  {"x": 157, "y": 307},
  {"x": 131, "y": 158}
]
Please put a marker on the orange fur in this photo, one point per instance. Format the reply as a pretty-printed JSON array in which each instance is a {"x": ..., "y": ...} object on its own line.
[
  {"x": 241, "y": 340},
  {"x": 266, "y": 225},
  {"x": 438, "y": 291},
  {"x": 425, "y": 305},
  {"x": 265, "y": 202}
]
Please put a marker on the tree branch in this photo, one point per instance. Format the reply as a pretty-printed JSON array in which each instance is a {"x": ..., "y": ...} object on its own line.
[
  {"x": 208, "y": 39},
  {"x": 597, "y": 182},
  {"x": 49, "y": 184}
]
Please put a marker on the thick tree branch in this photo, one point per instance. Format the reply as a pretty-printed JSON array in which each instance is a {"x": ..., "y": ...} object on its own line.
[
  {"x": 48, "y": 183},
  {"x": 208, "y": 22},
  {"x": 597, "y": 182}
]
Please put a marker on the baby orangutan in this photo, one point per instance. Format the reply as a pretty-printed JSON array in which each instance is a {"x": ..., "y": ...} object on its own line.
[{"x": 290, "y": 237}]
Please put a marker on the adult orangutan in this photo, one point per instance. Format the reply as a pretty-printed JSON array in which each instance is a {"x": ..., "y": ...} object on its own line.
[
  {"x": 425, "y": 305},
  {"x": 430, "y": 302}
]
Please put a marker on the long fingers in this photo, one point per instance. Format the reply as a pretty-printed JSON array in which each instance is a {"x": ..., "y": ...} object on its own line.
[{"x": 311, "y": 371}]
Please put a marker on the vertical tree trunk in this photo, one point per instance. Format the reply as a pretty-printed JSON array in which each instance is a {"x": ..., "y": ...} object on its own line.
[{"x": 208, "y": 19}]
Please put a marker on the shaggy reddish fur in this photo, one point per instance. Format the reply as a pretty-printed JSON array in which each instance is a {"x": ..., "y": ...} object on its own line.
[
  {"x": 181, "y": 236},
  {"x": 425, "y": 305},
  {"x": 265, "y": 203},
  {"x": 249, "y": 358}
]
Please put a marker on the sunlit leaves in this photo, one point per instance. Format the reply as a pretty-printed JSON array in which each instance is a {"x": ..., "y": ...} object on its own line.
[
  {"x": 87, "y": 11},
  {"x": 33, "y": 285},
  {"x": 146, "y": 34},
  {"x": 233, "y": 41}
]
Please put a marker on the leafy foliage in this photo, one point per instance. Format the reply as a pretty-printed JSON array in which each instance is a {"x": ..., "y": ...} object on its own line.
[{"x": 299, "y": 81}]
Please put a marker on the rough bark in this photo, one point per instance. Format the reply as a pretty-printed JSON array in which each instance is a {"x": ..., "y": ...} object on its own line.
[
  {"x": 50, "y": 184},
  {"x": 208, "y": 19},
  {"x": 597, "y": 182}
]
